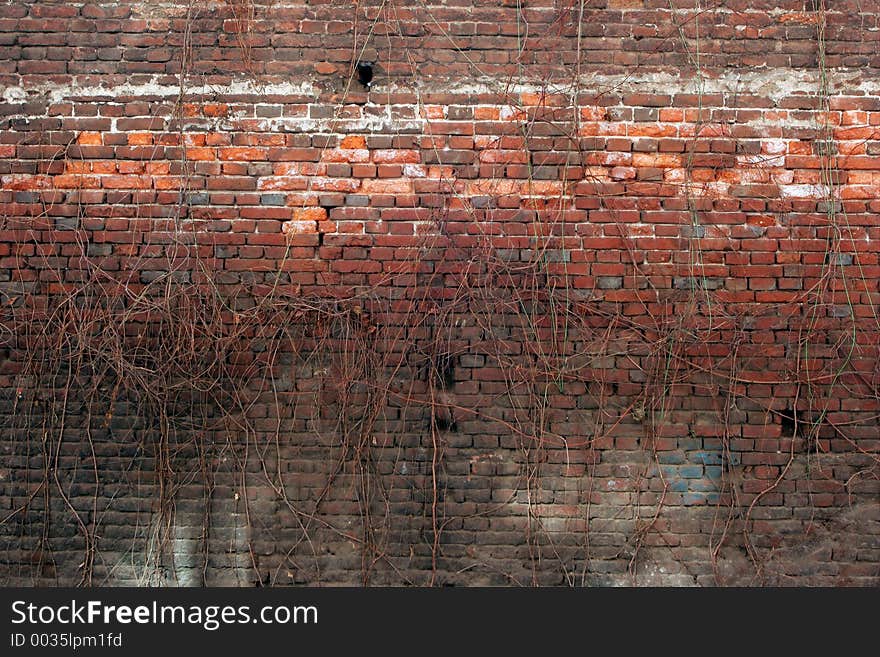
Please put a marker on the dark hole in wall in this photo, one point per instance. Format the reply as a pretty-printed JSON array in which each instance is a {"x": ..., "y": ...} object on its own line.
[
  {"x": 795, "y": 424},
  {"x": 444, "y": 371},
  {"x": 443, "y": 422}
]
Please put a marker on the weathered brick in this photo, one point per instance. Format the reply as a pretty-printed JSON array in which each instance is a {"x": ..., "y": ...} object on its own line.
[{"x": 536, "y": 313}]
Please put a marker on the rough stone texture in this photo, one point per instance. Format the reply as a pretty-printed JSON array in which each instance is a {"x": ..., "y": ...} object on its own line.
[{"x": 578, "y": 293}]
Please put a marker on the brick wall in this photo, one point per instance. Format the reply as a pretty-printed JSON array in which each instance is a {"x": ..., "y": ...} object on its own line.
[{"x": 576, "y": 293}]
